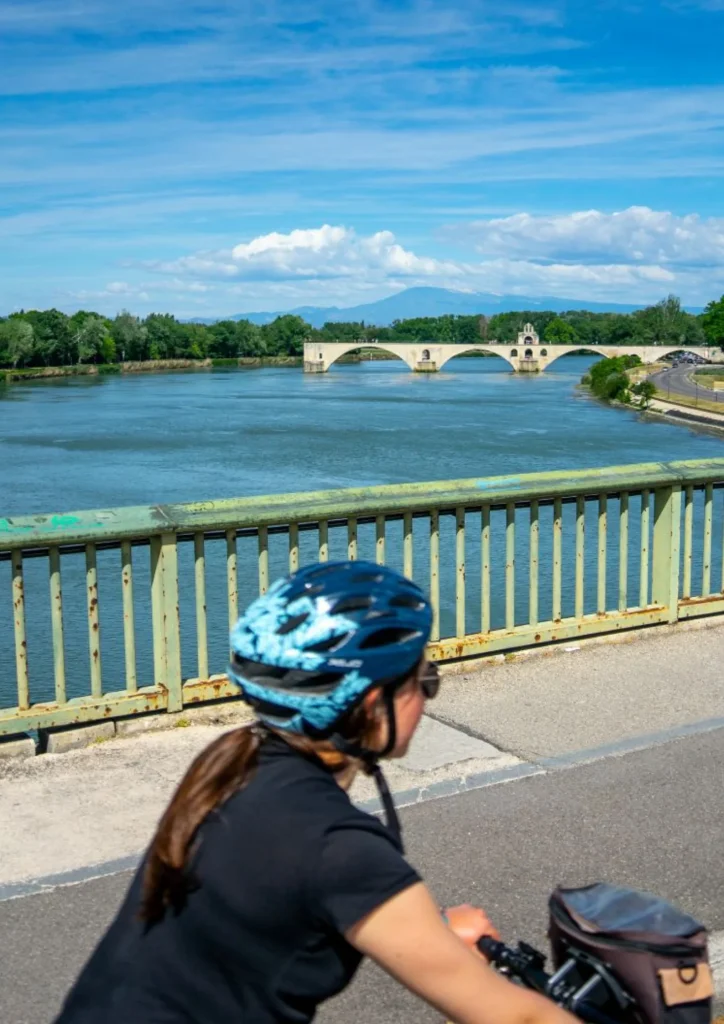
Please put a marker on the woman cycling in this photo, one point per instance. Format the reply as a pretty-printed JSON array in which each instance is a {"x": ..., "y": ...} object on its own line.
[{"x": 264, "y": 885}]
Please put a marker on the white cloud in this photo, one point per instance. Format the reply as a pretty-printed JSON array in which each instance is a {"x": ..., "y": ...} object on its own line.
[
  {"x": 588, "y": 255},
  {"x": 638, "y": 234},
  {"x": 326, "y": 252}
]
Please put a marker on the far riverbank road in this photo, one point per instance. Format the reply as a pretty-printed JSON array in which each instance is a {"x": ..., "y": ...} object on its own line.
[
  {"x": 606, "y": 780},
  {"x": 677, "y": 381}
]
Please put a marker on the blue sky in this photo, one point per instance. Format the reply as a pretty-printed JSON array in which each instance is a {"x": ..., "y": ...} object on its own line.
[{"x": 221, "y": 156}]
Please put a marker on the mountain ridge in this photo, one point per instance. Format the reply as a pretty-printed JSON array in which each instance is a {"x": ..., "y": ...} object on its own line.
[{"x": 423, "y": 301}]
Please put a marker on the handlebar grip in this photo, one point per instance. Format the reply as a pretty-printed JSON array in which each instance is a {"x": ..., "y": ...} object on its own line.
[{"x": 490, "y": 948}]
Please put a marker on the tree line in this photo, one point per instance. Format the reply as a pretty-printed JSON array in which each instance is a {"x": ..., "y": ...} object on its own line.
[{"x": 52, "y": 338}]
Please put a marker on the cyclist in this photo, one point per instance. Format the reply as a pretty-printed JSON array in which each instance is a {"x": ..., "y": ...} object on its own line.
[{"x": 264, "y": 885}]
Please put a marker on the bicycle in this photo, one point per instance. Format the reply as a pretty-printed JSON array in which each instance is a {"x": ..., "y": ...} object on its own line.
[{"x": 583, "y": 984}]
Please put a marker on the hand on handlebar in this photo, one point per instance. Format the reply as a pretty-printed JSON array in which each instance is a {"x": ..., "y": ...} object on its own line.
[{"x": 470, "y": 924}]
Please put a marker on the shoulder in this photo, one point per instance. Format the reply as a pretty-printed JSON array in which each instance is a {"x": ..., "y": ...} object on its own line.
[{"x": 360, "y": 866}]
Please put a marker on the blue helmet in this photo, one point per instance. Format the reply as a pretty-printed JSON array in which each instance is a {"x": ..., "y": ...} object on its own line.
[{"x": 308, "y": 650}]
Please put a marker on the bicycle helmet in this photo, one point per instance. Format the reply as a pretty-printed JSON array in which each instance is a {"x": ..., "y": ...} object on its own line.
[{"x": 308, "y": 650}]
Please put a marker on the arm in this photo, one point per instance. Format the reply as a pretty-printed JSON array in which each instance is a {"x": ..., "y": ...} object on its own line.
[{"x": 407, "y": 937}]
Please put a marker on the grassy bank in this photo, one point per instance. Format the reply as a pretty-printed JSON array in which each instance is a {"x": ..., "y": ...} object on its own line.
[
  {"x": 147, "y": 366},
  {"x": 38, "y": 372},
  {"x": 691, "y": 403},
  {"x": 709, "y": 377}
]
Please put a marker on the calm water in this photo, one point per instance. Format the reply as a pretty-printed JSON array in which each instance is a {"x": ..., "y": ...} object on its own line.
[
  {"x": 138, "y": 440},
  {"x": 135, "y": 440}
]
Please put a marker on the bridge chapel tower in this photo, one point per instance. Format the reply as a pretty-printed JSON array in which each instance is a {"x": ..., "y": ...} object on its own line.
[{"x": 528, "y": 347}]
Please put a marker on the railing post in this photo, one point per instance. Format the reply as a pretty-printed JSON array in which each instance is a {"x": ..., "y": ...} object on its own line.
[
  {"x": 157, "y": 631},
  {"x": 172, "y": 625},
  {"x": 666, "y": 549},
  {"x": 166, "y": 627}
]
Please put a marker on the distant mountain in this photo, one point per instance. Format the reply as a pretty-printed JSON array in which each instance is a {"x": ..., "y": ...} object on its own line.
[{"x": 414, "y": 302}]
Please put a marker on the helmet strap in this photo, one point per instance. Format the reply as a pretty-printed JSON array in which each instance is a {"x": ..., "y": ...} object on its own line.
[{"x": 388, "y": 804}]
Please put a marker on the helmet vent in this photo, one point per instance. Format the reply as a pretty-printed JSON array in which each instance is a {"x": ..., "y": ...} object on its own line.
[
  {"x": 352, "y": 604},
  {"x": 367, "y": 577},
  {"x": 254, "y": 669},
  {"x": 320, "y": 683},
  {"x": 317, "y": 571},
  {"x": 407, "y": 601},
  {"x": 292, "y": 623},
  {"x": 331, "y": 643},
  {"x": 388, "y": 637}
]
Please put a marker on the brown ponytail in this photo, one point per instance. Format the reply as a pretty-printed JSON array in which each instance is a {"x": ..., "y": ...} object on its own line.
[{"x": 224, "y": 767}]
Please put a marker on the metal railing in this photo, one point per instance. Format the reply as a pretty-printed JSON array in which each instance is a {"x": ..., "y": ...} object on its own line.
[{"x": 106, "y": 614}]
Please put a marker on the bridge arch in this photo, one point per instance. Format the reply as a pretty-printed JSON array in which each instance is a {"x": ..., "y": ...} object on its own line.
[
  {"x": 460, "y": 351},
  {"x": 662, "y": 352},
  {"x": 569, "y": 350},
  {"x": 647, "y": 353},
  {"x": 356, "y": 347}
]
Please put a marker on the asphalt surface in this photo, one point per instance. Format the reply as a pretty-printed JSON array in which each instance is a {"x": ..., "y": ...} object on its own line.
[
  {"x": 676, "y": 382},
  {"x": 650, "y": 819}
]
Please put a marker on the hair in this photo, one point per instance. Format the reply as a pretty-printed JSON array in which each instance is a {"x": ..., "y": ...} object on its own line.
[{"x": 219, "y": 771}]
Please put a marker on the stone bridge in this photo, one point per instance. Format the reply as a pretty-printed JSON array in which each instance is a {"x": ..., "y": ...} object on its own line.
[{"x": 526, "y": 356}]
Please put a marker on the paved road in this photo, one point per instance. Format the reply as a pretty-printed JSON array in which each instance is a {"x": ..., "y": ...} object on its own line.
[
  {"x": 650, "y": 819},
  {"x": 676, "y": 382}
]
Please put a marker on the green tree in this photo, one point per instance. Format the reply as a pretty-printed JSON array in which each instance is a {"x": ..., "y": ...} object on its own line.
[
  {"x": 130, "y": 337},
  {"x": 196, "y": 339},
  {"x": 286, "y": 335},
  {"x": 166, "y": 338},
  {"x": 608, "y": 378},
  {"x": 342, "y": 331},
  {"x": 666, "y": 323},
  {"x": 17, "y": 342},
  {"x": 559, "y": 332},
  {"x": 223, "y": 342},
  {"x": 93, "y": 341},
  {"x": 712, "y": 322},
  {"x": 249, "y": 339},
  {"x": 53, "y": 344},
  {"x": 644, "y": 391}
]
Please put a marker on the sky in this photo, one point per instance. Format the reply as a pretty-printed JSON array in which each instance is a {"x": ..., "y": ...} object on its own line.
[{"x": 213, "y": 157}]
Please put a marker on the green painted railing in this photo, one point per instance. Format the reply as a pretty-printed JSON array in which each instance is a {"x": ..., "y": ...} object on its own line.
[{"x": 106, "y": 614}]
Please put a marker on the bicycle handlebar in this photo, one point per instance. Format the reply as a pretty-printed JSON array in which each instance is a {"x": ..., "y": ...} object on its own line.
[{"x": 527, "y": 964}]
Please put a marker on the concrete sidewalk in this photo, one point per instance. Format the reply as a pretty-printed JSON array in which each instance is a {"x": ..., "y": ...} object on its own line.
[{"x": 507, "y": 717}]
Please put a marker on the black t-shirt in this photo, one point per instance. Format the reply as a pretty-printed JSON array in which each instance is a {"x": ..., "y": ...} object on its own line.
[{"x": 284, "y": 868}]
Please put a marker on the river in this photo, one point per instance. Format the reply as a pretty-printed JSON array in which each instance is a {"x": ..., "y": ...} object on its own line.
[
  {"x": 142, "y": 439},
  {"x": 75, "y": 443}
]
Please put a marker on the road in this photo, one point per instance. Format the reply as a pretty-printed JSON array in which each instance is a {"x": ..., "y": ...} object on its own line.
[
  {"x": 676, "y": 381},
  {"x": 650, "y": 819}
]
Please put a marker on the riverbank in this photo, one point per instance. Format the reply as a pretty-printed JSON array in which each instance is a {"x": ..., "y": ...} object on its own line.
[
  {"x": 686, "y": 412},
  {"x": 677, "y": 409},
  {"x": 9, "y": 376},
  {"x": 149, "y": 366}
]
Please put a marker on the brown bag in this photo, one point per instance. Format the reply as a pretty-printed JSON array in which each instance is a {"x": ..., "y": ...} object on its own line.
[{"x": 658, "y": 954}]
